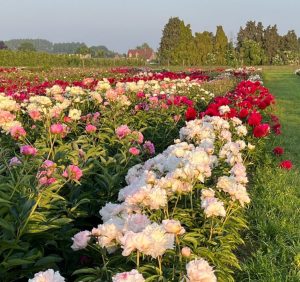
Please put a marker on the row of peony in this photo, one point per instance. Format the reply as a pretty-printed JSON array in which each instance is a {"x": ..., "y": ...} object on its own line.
[{"x": 203, "y": 174}]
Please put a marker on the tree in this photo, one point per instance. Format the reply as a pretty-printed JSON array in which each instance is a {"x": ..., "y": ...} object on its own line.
[
  {"x": 220, "y": 45},
  {"x": 143, "y": 46},
  {"x": 271, "y": 43},
  {"x": 169, "y": 41},
  {"x": 252, "y": 53},
  {"x": 26, "y": 46},
  {"x": 83, "y": 50},
  {"x": 231, "y": 55},
  {"x": 204, "y": 46},
  {"x": 252, "y": 31},
  {"x": 2, "y": 45}
]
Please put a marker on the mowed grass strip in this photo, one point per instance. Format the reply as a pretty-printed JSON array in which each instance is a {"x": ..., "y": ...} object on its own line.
[{"x": 272, "y": 250}]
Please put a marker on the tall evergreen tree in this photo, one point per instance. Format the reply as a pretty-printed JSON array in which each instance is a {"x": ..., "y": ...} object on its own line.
[
  {"x": 220, "y": 45},
  {"x": 271, "y": 43},
  {"x": 204, "y": 46},
  {"x": 169, "y": 40},
  {"x": 177, "y": 45},
  {"x": 252, "y": 31}
]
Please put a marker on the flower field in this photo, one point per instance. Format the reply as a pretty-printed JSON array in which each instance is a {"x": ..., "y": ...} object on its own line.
[{"x": 129, "y": 174}]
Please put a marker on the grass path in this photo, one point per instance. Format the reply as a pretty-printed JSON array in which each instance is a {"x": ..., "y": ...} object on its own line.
[{"x": 272, "y": 251}]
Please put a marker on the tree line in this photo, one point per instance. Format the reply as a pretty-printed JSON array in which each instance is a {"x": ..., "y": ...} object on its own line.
[
  {"x": 256, "y": 45},
  {"x": 42, "y": 45}
]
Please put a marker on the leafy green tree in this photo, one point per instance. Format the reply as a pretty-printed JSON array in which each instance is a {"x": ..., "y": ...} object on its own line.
[
  {"x": 83, "y": 50},
  {"x": 220, "y": 45},
  {"x": 40, "y": 45},
  {"x": 26, "y": 46},
  {"x": 204, "y": 46},
  {"x": 252, "y": 53}
]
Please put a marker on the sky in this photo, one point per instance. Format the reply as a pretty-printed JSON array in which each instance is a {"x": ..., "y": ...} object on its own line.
[{"x": 124, "y": 24}]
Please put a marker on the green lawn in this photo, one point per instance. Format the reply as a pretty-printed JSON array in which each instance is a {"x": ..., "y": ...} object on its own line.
[{"x": 272, "y": 250}]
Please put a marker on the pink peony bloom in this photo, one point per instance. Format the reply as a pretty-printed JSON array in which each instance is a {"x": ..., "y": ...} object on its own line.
[
  {"x": 81, "y": 240},
  {"x": 35, "y": 115},
  {"x": 186, "y": 252},
  {"x": 17, "y": 131},
  {"x": 149, "y": 147},
  {"x": 138, "y": 137},
  {"x": 122, "y": 131},
  {"x": 90, "y": 128},
  {"x": 131, "y": 276},
  {"x": 28, "y": 150},
  {"x": 14, "y": 161},
  {"x": 134, "y": 151},
  {"x": 73, "y": 172},
  {"x": 57, "y": 128}
]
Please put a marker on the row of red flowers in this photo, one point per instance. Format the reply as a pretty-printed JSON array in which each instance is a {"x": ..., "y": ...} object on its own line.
[{"x": 247, "y": 102}]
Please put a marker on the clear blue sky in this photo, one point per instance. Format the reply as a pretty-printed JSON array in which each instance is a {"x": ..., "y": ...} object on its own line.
[{"x": 123, "y": 24}]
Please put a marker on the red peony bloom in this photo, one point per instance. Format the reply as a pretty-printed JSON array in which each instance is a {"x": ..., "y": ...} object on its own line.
[
  {"x": 278, "y": 151},
  {"x": 254, "y": 119},
  {"x": 287, "y": 164},
  {"x": 243, "y": 113},
  {"x": 261, "y": 130},
  {"x": 190, "y": 114}
]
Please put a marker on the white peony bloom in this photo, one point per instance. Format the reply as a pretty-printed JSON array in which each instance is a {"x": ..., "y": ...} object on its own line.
[
  {"x": 199, "y": 270},
  {"x": 47, "y": 276}
]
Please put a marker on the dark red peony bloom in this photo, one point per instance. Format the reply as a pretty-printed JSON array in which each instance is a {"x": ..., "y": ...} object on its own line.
[
  {"x": 277, "y": 128},
  {"x": 287, "y": 164},
  {"x": 278, "y": 151},
  {"x": 190, "y": 114},
  {"x": 254, "y": 119},
  {"x": 261, "y": 130}
]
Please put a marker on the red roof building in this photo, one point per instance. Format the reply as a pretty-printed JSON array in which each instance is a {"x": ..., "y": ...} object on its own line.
[{"x": 147, "y": 54}]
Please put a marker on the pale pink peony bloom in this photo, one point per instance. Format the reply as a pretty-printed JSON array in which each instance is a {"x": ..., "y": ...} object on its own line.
[
  {"x": 173, "y": 226},
  {"x": 28, "y": 150},
  {"x": 14, "y": 161},
  {"x": 57, "y": 128},
  {"x": 137, "y": 222},
  {"x": 17, "y": 131},
  {"x": 131, "y": 276},
  {"x": 186, "y": 252},
  {"x": 47, "y": 276},
  {"x": 122, "y": 131},
  {"x": 87, "y": 81},
  {"x": 199, "y": 270},
  {"x": 149, "y": 147},
  {"x": 90, "y": 128},
  {"x": 81, "y": 240},
  {"x": 134, "y": 151},
  {"x": 73, "y": 172},
  {"x": 35, "y": 115}
]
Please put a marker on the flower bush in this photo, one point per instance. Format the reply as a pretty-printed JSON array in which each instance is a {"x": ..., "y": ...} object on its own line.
[{"x": 169, "y": 211}]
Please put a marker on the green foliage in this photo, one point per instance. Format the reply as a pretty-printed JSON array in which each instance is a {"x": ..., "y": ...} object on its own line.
[
  {"x": 251, "y": 53},
  {"x": 36, "y": 59},
  {"x": 220, "y": 45},
  {"x": 26, "y": 46}
]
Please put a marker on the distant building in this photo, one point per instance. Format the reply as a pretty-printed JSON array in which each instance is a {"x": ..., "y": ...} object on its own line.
[
  {"x": 147, "y": 54},
  {"x": 85, "y": 56}
]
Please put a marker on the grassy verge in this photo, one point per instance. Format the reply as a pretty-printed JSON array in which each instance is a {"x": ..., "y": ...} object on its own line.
[{"x": 272, "y": 252}]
